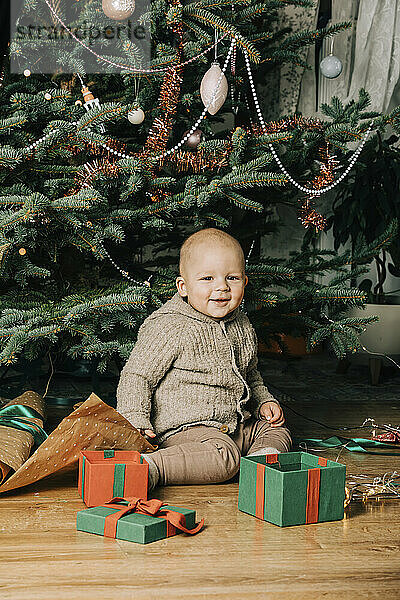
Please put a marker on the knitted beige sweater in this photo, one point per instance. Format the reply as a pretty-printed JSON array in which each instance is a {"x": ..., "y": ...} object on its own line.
[{"x": 188, "y": 369}]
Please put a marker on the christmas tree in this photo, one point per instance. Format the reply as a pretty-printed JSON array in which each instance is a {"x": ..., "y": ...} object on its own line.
[{"x": 98, "y": 192}]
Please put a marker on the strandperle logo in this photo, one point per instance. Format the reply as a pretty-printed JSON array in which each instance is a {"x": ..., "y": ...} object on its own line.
[
  {"x": 48, "y": 41},
  {"x": 86, "y": 31}
]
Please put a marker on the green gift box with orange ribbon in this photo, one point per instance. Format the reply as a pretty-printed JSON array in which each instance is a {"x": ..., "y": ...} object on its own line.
[
  {"x": 106, "y": 474},
  {"x": 137, "y": 520},
  {"x": 292, "y": 488}
]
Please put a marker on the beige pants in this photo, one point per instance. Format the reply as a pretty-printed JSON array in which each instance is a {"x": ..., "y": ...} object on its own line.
[{"x": 201, "y": 454}]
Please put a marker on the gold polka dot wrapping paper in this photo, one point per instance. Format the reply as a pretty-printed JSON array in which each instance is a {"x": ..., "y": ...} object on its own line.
[{"x": 93, "y": 425}]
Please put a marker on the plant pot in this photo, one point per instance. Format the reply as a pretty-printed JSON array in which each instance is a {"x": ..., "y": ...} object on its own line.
[
  {"x": 297, "y": 346},
  {"x": 383, "y": 336}
]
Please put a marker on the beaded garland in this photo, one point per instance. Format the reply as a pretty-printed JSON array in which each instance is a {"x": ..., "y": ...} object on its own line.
[{"x": 311, "y": 192}]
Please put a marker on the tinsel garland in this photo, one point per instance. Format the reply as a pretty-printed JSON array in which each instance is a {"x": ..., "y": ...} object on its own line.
[
  {"x": 199, "y": 161},
  {"x": 308, "y": 216},
  {"x": 287, "y": 123},
  {"x": 89, "y": 171},
  {"x": 162, "y": 126},
  {"x": 170, "y": 91}
]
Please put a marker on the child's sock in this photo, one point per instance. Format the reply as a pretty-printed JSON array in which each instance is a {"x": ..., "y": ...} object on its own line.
[
  {"x": 264, "y": 451},
  {"x": 154, "y": 474}
]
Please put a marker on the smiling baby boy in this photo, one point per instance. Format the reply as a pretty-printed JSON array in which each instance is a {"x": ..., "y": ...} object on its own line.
[{"x": 191, "y": 381}]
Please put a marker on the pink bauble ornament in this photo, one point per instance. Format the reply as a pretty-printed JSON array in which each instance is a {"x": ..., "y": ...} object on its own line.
[
  {"x": 194, "y": 139},
  {"x": 118, "y": 9},
  {"x": 208, "y": 85}
]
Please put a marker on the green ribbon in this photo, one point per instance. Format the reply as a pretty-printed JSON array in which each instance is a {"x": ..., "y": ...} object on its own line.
[
  {"x": 18, "y": 416},
  {"x": 119, "y": 479},
  {"x": 352, "y": 444}
]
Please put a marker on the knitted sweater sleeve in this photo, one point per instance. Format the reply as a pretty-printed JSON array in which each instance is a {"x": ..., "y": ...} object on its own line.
[
  {"x": 259, "y": 391},
  {"x": 156, "y": 349}
]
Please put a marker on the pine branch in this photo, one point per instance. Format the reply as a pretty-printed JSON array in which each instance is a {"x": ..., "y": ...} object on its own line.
[
  {"x": 242, "y": 202},
  {"x": 208, "y": 18},
  {"x": 253, "y": 179}
]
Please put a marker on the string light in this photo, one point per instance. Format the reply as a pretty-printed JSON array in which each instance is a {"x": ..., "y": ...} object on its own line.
[
  {"x": 312, "y": 192},
  {"x": 171, "y": 150},
  {"x": 362, "y": 346},
  {"x": 122, "y": 272},
  {"x": 3, "y": 70},
  {"x": 363, "y": 487}
]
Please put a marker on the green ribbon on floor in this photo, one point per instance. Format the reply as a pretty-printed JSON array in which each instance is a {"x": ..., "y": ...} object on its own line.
[
  {"x": 352, "y": 444},
  {"x": 18, "y": 416}
]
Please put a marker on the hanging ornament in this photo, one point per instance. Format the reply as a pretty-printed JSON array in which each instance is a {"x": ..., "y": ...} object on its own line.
[
  {"x": 331, "y": 66},
  {"x": 89, "y": 100},
  {"x": 118, "y": 9},
  {"x": 22, "y": 251},
  {"x": 136, "y": 116},
  {"x": 194, "y": 139},
  {"x": 209, "y": 84}
]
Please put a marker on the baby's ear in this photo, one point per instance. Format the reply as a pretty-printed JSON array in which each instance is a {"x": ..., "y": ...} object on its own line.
[
  {"x": 181, "y": 286},
  {"x": 246, "y": 280}
]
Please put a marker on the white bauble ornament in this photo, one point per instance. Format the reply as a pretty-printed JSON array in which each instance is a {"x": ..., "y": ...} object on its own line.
[
  {"x": 208, "y": 85},
  {"x": 118, "y": 9},
  {"x": 331, "y": 66},
  {"x": 136, "y": 116}
]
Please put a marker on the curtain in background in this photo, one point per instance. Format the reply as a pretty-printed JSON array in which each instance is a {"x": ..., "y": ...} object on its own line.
[
  {"x": 370, "y": 53},
  {"x": 298, "y": 19},
  {"x": 279, "y": 96},
  {"x": 377, "y": 52},
  {"x": 280, "y": 92}
]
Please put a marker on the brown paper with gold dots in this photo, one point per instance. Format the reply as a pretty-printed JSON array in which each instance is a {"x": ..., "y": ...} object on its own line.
[
  {"x": 16, "y": 445},
  {"x": 93, "y": 425}
]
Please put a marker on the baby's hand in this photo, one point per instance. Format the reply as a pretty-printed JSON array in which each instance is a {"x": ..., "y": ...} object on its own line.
[
  {"x": 272, "y": 412},
  {"x": 147, "y": 432}
]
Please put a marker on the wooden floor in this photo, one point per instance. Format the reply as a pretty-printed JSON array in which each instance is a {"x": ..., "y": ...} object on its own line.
[{"x": 235, "y": 557}]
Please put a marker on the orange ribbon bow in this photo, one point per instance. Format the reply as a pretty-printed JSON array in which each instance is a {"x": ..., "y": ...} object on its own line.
[{"x": 153, "y": 508}]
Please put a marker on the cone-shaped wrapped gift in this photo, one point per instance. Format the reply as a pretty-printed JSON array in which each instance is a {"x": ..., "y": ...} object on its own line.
[
  {"x": 93, "y": 425},
  {"x": 21, "y": 422}
]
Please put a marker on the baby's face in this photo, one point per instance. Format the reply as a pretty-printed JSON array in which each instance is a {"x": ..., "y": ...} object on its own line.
[{"x": 213, "y": 280}]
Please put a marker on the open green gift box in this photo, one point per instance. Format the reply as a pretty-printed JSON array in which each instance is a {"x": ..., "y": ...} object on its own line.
[{"x": 292, "y": 488}]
